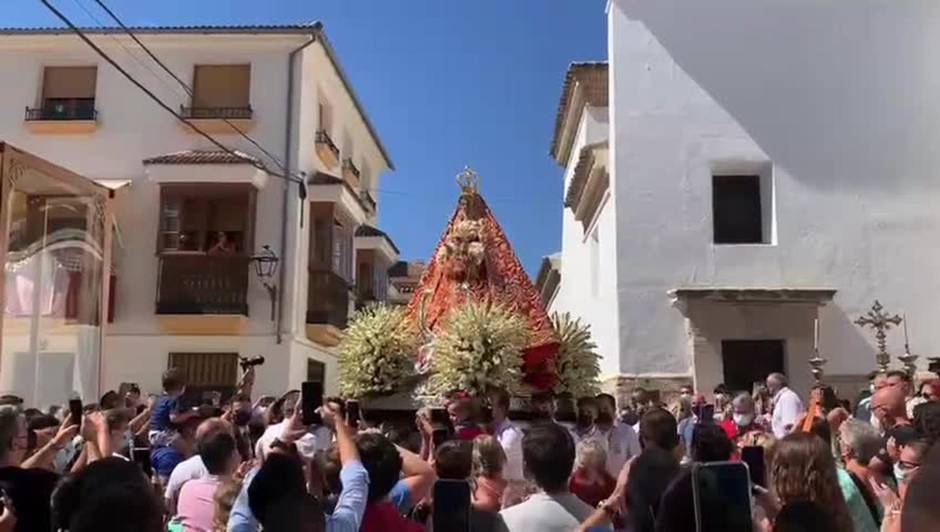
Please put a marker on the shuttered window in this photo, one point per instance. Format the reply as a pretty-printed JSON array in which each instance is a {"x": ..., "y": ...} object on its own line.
[
  {"x": 207, "y": 371},
  {"x": 222, "y": 86},
  {"x": 71, "y": 83}
]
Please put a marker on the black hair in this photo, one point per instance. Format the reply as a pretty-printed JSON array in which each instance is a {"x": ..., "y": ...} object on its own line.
[
  {"x": 927, "y": 420},
  {"x": 381, "y": 460},
  {"x": 453, "y": 460},
  {"x": 601, "y": 397},
  {"x": 721, "y": 388},
  {"x": 111, "y": 400},
  {"x": 548, "y": 455},
  {"x": 710, "y": 443},
  {"x": 901, "y": 374},
  {"x": 803, "y": 516},
  {"x": 822, "y": 429},
  {"x": 216, "y": 450},
  {"x": 829, "y": 399},
  {"x": 173, "y": 380},
  {"x": 586, "y": 401},
  {"x": 651, "y": 473},
  {"x": 659, "y": 428},
  {"x": 500, "y": 398},
  {"x": 109, "y": 494},
  {"x": 280, "y": 477},
  {"x": 542, "y": 397}
]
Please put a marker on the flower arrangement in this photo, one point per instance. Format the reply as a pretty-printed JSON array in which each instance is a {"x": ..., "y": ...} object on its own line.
[
  {"x": 376, "y": 355},
  {"x": 577, "y": 363},
  {"x": 480, "y": 346}
]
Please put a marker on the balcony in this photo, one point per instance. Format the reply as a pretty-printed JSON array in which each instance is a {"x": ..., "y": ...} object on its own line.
[
  {"x": 368, "y": 200},
  {"x": 351, "y": 173},
  {"x": 326, "y": 149},
  {"x": 219, "y": 119},
  {"x": 63, "y": 115},
  {"x": 202, "y": 284},
  {"x": 328, "y": 298}
]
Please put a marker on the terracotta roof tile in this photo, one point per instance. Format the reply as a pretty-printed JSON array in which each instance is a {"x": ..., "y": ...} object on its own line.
[
  {"x": 593, "y": 75},
  {"x": 203, "y": 157}
]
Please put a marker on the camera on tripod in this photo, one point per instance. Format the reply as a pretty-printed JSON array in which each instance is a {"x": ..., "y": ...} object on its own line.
[{"x": 248, "y": 363}]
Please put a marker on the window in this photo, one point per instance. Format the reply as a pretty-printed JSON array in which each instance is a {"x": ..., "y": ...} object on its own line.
[
  {"x": 365, "y": 175},
  {"x": 325, "y": 116},
  {"x": 343, "y": 236},
  {"x": 222, "y": 87},
  {"x": 316, "y": 371},
  {"x": 594, "y": 245},
  {"x": 347, "y": 146},
  {"x": 736, "y": 209},
  {"x": 214, "y": 219},
  {"x": 206, "y": 372},
  {"x": 69, "y": 92},
  {"x": 331, "y": 242}
]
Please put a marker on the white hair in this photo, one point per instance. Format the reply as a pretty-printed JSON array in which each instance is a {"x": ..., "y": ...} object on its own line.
[
  {"x": 862, "y": 438},
  {"x": 589, "y": 449}
]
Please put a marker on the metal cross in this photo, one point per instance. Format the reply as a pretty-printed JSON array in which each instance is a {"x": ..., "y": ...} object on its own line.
[{"x": 880, "y": 322}]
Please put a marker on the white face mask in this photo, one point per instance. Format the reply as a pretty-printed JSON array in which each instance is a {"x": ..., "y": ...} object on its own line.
[
  {"x": 743, "y": 420},
  {"x": 899, "y": 473}
]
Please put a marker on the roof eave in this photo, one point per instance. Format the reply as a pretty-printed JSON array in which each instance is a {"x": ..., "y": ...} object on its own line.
[{"x": 331, "y": 54}]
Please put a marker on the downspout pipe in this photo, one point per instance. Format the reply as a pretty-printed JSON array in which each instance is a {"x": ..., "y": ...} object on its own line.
[{"x": 288, "y": 139}]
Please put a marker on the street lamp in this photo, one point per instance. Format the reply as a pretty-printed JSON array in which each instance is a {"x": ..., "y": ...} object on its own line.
[{"x": 265, "y": 267}]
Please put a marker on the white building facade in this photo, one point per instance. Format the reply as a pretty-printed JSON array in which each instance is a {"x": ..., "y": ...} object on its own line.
[
  {"x": 189, "y": 217},
  {"x": 738, "y": 170}
]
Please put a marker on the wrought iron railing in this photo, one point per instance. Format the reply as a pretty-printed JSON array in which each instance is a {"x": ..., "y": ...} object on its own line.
[
  {"x": 327, "y": 299},
  {"x": 228, "y": 113},
  {"x": 63, "y": 109},
  {"x": 367, "y": 198},
  {"x": 202, "y": 284},
  {"x": 324, "y": 138}
]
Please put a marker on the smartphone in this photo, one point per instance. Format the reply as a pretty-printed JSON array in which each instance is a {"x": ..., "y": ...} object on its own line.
[
  {"x": 75, "y": 411},
  {"x": 721, "y": 492},
  {"x": 439, "y": 417},
  {"x": 311, "y": 398},
  {"x": 451, "y": 505},
  {"x": 753, "y": 456},
  {"x": 352, "y": 412}
]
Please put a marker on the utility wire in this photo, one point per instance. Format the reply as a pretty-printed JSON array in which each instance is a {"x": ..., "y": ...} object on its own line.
[
  {"x": 129, "y": 52},
  {"x": 156, "y": 99},
  {"x": 186, "y": 86}
]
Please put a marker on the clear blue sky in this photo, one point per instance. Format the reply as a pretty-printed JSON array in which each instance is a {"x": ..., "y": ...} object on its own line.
[{"x": 447, "y": 83}]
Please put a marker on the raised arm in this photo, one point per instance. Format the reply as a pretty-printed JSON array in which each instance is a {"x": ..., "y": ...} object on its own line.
[{"x": 46, "y": 454}]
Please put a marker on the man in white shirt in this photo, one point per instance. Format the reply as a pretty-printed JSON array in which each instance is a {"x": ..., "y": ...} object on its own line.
[
  {"x": 619, "y": 439},
  {"x": 548, "y": 451},
  {"x": 787, "y": 406},
  {"x": 510, "y": 438}
]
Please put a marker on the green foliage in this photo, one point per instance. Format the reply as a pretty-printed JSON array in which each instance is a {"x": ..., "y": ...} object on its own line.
[
  {"x": 577, "y": 362},
  {"x": 377, "y": 353},
  {"x": 480, "y": 346}
]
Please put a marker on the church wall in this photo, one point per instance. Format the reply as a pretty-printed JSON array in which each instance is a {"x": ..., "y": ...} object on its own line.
[{"x": 844, "y": 120}]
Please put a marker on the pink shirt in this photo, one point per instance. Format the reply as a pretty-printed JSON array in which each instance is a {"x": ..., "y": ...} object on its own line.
[{"x": 196, "y": 506}]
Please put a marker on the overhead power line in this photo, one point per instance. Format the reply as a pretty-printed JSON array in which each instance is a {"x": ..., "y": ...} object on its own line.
[
  {"x": 156, "y": 99},
  {"x": 186, "y": 86}
]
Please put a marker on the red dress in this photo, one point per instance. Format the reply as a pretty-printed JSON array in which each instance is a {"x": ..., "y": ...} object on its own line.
[
  {"x": 468, "y": 432},
  {"x": 591, "y": 493},
  {"x": 382, "y": 516}
]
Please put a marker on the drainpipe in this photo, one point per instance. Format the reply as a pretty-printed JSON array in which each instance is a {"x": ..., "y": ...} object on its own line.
[{"x": 288, "y": 138}]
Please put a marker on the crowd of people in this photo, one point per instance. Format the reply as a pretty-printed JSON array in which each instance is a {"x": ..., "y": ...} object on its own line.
[{"x": 564, "y": 463}]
